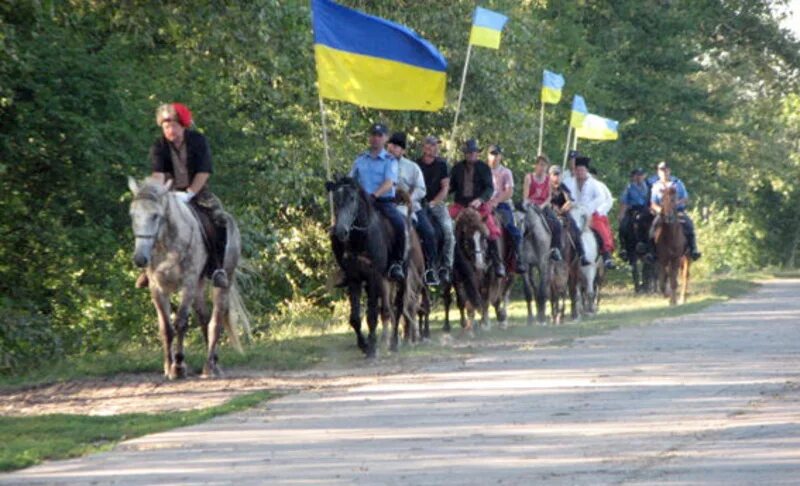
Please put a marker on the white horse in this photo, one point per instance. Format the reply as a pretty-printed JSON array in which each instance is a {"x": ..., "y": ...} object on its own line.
[
  {"x": 583, "y": 283},
  {"x": 169, "y": 245}
]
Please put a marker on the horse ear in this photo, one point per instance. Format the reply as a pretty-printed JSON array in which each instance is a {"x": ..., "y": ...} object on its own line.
[
  {"x": 132, "y": 185},
  {"x": 168, "y": 184},
  {"x": 329, "y": 185}
]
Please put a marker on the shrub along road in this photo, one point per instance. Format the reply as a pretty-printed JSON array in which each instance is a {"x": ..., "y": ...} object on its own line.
[{"x": 708, "y": 397}]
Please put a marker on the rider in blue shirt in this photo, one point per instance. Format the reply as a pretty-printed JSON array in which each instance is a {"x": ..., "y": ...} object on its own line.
[
  {"x": 634, "y": 199},
  {"x": 376, "y": 171},
  {"x": 665, "y": 181}
]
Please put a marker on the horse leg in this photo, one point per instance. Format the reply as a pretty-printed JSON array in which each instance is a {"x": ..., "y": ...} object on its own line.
[
  {"x": 178, "y": 368},
  {"x": 528, "y": 290},
  {"x": 635, "y": 275},
  {"x": 201, "y": 309},
  {"x": 673, "y": 282},
  {"x": 220, "y": 313},
  {"x": 398, "y": 314},
  {"x": 354, "y": 291},
  {"x": 161, "y": 303},
  {"x": 447, "y": 297},
  {"x": 374, "y": 294},
  {"x": 541, "y": 295},
  {"x": 685, "y": 264}
]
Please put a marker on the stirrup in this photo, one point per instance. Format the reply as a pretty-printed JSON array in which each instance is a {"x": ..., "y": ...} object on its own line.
[
  {"x": 695, "y": 255},
  {"x": 585, "y": 261},
  {"x": 220, "y": 278},
  {"x": 555, "y": 255},
  {"x": 430, "y": 278}
]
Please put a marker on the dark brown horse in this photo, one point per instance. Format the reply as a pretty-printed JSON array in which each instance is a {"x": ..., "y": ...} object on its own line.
[
  {"x": 474, "y": 277},
  {"x": 671, "y": 248}
]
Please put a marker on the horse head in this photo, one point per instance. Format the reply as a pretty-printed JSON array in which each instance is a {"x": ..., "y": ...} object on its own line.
[
  {"x": 471, "y": 235},
  {"x": 581, "y": 216},
  {"x": 349, "y": 202},
  {"x": 148, "y": 213},
  {"x": 668, "y": 212}
]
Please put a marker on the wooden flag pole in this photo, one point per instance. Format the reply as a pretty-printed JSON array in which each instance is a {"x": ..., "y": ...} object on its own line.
[
  {"x": 541, "y": 129},
  {"x": 327, "y": 154},
  {"x": 566, "y": 148},
  {"x": 460, "y": 94}
]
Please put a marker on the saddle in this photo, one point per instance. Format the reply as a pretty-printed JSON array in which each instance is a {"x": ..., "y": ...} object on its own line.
[{"x": 214, "y": 235}]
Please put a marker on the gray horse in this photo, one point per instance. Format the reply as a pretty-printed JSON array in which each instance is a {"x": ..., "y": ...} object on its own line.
[
  {"x": 169, "y": 245},
  {"x": 536, "y": 238}
]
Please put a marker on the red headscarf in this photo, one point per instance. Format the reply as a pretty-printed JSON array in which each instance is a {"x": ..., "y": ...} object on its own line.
[{"x": 184, "y": 115}]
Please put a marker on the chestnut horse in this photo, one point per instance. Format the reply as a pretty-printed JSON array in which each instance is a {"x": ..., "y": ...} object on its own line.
[{"x": 671, "y": 248}]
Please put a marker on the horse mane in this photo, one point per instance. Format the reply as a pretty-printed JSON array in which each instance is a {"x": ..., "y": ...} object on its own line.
[{"x": 468, "y": 222}]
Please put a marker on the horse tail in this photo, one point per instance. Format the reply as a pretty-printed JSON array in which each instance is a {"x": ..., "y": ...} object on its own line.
[
  {"x": 463, "y": 269},
  {"x": 236, "y": 318}
]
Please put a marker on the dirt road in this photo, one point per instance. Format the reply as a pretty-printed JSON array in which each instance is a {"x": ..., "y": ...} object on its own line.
[{"x": 708, "y": 398}]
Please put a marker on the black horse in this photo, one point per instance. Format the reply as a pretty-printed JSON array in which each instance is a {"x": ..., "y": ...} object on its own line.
[
  {"x": 361, "y": 238},
  {"x": 634, "y": 235}
]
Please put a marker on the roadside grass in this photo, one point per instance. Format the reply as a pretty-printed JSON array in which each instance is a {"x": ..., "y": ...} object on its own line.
[
  {"x": 29, "y": 440},
  {"x": 321, "y": 343},
  {"x": 25, "y": 441}
]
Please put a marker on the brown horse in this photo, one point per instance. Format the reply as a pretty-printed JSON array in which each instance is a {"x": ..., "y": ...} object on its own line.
[
  {"x": 475, "y": 280},
  {"x": 671, "y": 248}
]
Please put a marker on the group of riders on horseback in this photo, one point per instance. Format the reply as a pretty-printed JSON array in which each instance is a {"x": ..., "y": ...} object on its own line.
[
  {"x": 182, "y": 155},
  {"x": 384, "y": 196},
  {"x": 488, "y": 189}
]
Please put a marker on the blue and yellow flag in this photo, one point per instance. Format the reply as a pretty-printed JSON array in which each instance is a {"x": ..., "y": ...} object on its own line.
[
  {"x": 372, "y": 62},
  {"x": 552, "y": 83},
  {"x": 486, "y": 28},
  {"x": 598, "y": 128},
  {"x": 579, "y": 112}
]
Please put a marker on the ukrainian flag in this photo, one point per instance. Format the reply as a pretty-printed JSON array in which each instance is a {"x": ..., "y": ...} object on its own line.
[
  {"x": 486, "y": 28},
  {"x": 551, "y": 87},
  {"x": 372, "y": 62},
  {"x": 598, "y": 128},
  {"x": 579, "y": 112}
]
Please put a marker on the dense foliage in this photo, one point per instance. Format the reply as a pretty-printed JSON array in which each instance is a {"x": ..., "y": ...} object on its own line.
[{"x": 711, "y": 85}]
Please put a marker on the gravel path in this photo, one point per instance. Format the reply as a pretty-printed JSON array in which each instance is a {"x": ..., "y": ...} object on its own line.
[{"x": 712, "y": 398}]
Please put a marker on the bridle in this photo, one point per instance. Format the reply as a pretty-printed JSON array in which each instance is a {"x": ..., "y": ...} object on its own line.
[{"x": 154, "y": 235}]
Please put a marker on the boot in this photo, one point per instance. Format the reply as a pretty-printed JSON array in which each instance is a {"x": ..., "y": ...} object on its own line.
[
  {"x": 220, "y": 278},
  {"x": 608, "y": 261},
  {"x": 494, "y": 256},
  {"x": 692, "y": 242},
  {"x": 444, "y": 275},
  {"x": 142, "y": 282},
  {"x": 555, "y": 254},
  {"x": 396, "y": 272}
]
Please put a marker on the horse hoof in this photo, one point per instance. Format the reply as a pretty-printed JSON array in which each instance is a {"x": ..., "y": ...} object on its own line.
[
  {"x": 210, "y": 372},
  {"x": 177, "y": 371},
  {"x": 503, "y": 325}
]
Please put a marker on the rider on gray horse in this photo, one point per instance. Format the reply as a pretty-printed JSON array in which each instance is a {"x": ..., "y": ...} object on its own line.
[
  {"x": 536, "y": 191},
  {"x": 183, "y": 156}
]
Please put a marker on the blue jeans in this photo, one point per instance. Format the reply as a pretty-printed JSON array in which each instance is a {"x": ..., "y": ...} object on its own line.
[
  {"x": 427, "y": 235},
  {"x": 508, "y": 222},
  {"x": 388, "y": 209}
]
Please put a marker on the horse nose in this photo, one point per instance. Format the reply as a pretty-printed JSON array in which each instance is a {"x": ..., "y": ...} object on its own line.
[{"x": 139, "y": 260}]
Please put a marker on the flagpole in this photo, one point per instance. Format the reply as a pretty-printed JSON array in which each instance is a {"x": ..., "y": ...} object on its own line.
[
  {"x": 460, "y": 94},
  {"x": 327, "y": 153},
  {"x": 541, "y": 129},
  {"x": 575, "y": 142},
  {"x": 566, "y": 148}
]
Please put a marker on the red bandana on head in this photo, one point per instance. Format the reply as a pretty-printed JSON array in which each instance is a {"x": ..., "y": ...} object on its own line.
[{"x": 184, "y": 115}]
